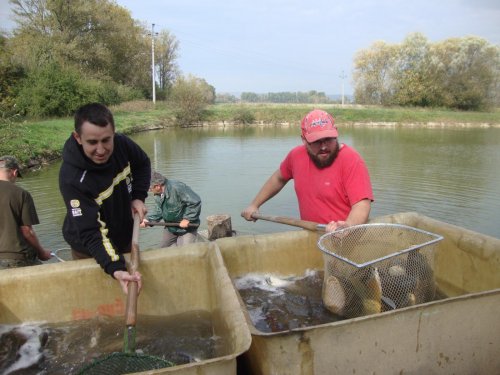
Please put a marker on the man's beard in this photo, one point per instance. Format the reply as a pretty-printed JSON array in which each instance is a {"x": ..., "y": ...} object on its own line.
[{"x": 323, "y": 163}]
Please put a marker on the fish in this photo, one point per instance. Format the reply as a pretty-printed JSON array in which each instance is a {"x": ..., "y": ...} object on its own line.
[
  {"x": 407, "y": 281},
  {"x": 277, "y": 282},
  {"x": 419, "y": 268},
  {"x": 369, "y": 289},
  {"x": 397, "y": 284},
  {"x": 334, "y": 297},
  {"x": 387, "y": 303},
  {"x": 396, "y": 270},
  {"x": 357, "y": 294},
  {"x": 371, "y": 306}
]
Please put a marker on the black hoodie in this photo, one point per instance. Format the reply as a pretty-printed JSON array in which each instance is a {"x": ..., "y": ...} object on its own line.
[{"x": 98, "y": 199}]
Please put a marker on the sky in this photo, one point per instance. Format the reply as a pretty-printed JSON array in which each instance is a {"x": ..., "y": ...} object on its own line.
[{"x": 295, "y": 45}]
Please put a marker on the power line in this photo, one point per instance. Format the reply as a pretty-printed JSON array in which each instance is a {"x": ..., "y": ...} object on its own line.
[{"x": 254, "y": 57}]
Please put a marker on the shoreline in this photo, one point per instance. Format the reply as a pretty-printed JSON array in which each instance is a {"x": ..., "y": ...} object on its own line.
[
  {"x": 224, "y": 124},
  {"x": 36, "y": 164}
]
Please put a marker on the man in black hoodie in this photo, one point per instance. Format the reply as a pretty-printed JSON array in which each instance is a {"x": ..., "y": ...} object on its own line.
[{"x": 104, "y": 179}]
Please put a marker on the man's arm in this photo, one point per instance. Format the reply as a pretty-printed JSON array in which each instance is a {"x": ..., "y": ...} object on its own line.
[
  {"x": 156, "y": 214},
  {"x": 270, "y": 188},
  {"x": 359, "y": 214},
  {"x": 140, "y": 166},
  {"x": 138, "y": 206},
  {"x": 29, "y": 234},
  {"x": 192, "y": 210}
]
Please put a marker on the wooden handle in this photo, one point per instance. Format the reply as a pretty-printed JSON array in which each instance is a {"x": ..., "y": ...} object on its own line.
[
  {"x": 164, "y": 224},
  {"x": 131, "y": 309},
  {"x": 309, "y": 225}
]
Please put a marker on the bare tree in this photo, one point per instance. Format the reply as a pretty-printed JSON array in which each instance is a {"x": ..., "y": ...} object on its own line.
[{"x": 166, "y": 53}]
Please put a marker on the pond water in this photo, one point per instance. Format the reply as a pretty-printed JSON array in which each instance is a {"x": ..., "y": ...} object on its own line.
[{"x": 447, "y": 174}]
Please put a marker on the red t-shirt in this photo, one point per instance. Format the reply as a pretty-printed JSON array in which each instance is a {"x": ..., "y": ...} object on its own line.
[{"x": 327, "y": 194}]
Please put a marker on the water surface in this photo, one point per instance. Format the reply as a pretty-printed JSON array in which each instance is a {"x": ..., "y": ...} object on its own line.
[
  {"x": 447, "y": 174},
  {"x": 67, "y": 347}
]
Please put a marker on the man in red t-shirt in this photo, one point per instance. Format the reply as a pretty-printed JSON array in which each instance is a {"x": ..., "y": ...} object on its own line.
[{"x": 331, "y": 180}]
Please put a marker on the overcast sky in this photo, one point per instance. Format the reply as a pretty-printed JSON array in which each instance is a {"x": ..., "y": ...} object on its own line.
[{"x": 295, "y": 45}]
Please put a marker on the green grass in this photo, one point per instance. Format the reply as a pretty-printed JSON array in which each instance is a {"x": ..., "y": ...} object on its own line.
[
  {"x": 272, "y": 113},
  {"x": 38, "y": 141}
]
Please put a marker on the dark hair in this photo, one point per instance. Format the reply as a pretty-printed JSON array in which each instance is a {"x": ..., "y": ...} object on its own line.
[{"x": 95, "y": 113}]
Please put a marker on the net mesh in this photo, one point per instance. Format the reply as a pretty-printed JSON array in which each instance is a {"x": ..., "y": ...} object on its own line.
[
  {"x": 373, "y": 268},
  {"x": 124, "y": 363}
]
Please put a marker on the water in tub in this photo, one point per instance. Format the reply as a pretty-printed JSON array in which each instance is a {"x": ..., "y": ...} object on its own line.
[{"x": 63, "y": 348}]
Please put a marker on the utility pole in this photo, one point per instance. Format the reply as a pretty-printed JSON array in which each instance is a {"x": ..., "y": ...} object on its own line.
[
  {"x": 343, "y": 76},
  {"x": 153, "y": 61}
]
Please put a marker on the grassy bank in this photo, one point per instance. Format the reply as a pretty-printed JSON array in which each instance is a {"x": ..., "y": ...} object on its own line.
[
  {"x": 273, "y": 113},
  {"x": 35, "y": 142}
]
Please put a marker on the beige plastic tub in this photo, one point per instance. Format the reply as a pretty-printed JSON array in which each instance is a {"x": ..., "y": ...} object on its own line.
[
  {"x": 456, "y": 335},
  {"x": 176, "y": 280}
]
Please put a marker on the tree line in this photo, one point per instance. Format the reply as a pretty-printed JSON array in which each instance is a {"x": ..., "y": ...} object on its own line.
[
  {"x": 461, "y": 73},
  {"x": 64, "y": 53},
  {"x": 286, "y": 97}
]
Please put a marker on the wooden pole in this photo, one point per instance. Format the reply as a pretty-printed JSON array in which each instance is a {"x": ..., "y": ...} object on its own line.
[{"x": 309, "y": 225}]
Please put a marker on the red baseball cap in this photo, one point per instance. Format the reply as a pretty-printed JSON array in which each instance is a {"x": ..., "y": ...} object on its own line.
[{"x": 318, "y": 124}]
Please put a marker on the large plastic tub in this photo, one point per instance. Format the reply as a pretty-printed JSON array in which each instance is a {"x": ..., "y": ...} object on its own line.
[
  {"x": 176, "y": 281},
  {"x": 456, "y": 335}
]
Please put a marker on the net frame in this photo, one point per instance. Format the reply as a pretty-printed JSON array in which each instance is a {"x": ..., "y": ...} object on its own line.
[
  {"x": 371, "y": 268},
  {"x": 344, "y": 233}
]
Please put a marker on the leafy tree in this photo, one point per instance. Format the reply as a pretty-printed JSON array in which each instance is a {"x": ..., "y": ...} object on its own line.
[
  {"x": 285, "y": 97},
  {"x": 56, "y": 91},
  {"x": 95, "y": 45},
  {"x": 50, "y": 91},
  {"x": 373, "y": 74},
  {"x": 190, "y": 96},
  {"x": 226, "y": 98},
  {"x": 411, "y": 79},
  {"x": 317, "y": 97},
  {"x": 249, "y": 97},
  {"x": 458, "y": 73},
  {"x": 243, "y": 115},
  {"x": 97, "y": 36},
  {"x": 469, "y": 70},
  {"x": 209, "y": 93},
  {"x": 10, "y": 76}
]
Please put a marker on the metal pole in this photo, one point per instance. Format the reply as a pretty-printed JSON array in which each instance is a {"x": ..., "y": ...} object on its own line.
[
  {"x": 153, "y": 61},
  {"x": 342, "y": 76}
]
